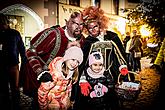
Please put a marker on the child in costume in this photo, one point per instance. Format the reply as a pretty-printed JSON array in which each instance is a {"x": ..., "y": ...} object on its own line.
[
  {"x": 56, "y": 94},
  {"x": 97, "y": 85},
  {"x": 100, "y": 39}
]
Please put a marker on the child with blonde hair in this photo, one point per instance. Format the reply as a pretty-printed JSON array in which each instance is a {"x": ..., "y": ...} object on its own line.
[{"x": 56, "y": 94}]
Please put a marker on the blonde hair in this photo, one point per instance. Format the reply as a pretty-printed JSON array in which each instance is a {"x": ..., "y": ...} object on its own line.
[
  {"x": 75, "y": 74},
  {"x": 95, "y": 14}
]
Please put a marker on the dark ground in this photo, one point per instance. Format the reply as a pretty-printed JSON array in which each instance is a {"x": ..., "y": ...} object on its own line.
[{"x": 146, "y": 99}]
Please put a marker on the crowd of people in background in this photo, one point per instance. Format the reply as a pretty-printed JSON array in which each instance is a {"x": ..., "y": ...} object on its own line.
[{"x": 64, "y": 70}]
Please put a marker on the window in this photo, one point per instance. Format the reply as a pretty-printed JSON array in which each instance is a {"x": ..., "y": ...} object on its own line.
[
  {"x": 74, "y": 2},
  {"x": 27, "y": 41},
  {"x": 16, "y": 22},
  {"x": 97, "y": 3}
]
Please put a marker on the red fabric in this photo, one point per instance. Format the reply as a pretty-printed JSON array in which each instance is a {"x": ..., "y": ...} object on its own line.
[
  {"x": 52, "y": 63},
  {"x": 30, "y": 54},
  {"x": 43, "y": 50},
  {"x": 28, "y": 79},
  {"x": 85, "y": 87}
]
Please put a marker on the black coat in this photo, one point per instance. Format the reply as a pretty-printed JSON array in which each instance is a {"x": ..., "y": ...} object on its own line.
[
  {"x": 76, "y": 93},
  {"x": 13, "y": 46},
  {"x": 109, "y": 36},
  {"x": 115, "y": 38},
  {"x": 102, "y": 101}
]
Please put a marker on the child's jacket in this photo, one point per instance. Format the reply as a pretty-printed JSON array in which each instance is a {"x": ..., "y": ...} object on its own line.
[
  {"x": 56, "y": 94},
  {"x": 102, "y": 89}
]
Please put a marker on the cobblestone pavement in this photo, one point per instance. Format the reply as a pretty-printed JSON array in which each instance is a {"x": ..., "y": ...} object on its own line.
[
  {"x": 148, "y": 95},
  {"x": 25, "y": 101},
  {"x": 145, "y": 101},
  {"x": 150, "y": 85}
]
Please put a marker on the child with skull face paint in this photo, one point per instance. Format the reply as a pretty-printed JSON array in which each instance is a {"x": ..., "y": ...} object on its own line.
[{"x": 99, "y": 94}]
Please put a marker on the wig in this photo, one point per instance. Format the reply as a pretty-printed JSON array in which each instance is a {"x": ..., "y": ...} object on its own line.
[{"x": 95, "y": 14}]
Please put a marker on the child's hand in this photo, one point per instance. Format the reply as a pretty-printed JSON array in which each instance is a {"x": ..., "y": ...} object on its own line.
[
  {"x": 124, "y": 71},
  {"x": 85, "y": 87}
]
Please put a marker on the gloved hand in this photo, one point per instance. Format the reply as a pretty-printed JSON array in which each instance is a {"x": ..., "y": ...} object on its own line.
[
  {"x": 85, "y": 87},
  {"x": 156, "y": 68},
  {"x": 44, "y": 77},
  {"x": 124, "y": 71}
]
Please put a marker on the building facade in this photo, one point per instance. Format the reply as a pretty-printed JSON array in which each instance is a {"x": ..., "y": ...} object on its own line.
[{"x": 31, "y": 16}]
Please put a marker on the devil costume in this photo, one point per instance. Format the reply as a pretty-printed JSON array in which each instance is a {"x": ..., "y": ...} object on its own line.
[{"x": 44, "y": 47}]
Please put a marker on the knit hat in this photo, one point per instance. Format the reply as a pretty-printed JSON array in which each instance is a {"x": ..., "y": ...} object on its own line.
[
  {"x": 74, "y": 52},
  {"x": 95, "y": 57}
]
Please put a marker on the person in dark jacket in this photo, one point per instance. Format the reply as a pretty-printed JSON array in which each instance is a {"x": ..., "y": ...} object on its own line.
[
  {"x": 100, "y": 94},
  {"x": 115, "y": 38},
  {"x": 11, "y": 46},
  {"x": 96, "y": 24},
  {"x": 136, "y": 47}
]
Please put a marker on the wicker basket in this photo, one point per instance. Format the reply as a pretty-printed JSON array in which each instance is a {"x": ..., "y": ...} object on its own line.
[{"x": 129, "y": 90}]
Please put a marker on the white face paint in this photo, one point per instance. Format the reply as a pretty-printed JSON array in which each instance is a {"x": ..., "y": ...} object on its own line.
[
  {"x": 75, "y": 27},
  {"x": 93, "y": 29}
]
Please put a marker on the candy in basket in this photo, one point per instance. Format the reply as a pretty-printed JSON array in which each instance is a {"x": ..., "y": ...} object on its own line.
[{"x": 128, "y": 90}]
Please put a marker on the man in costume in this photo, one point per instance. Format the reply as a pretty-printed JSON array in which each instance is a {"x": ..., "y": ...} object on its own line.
[
  {"x": 96, "y": 25},
  {"x": 44, "y": 47}
]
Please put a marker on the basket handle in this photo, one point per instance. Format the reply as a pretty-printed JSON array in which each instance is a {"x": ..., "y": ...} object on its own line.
[{"x": 132, "y": 72}]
